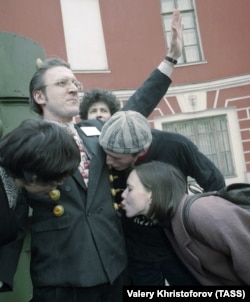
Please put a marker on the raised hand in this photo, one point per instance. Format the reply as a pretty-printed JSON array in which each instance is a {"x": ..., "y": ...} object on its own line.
[{"x": 176, "y": 43}]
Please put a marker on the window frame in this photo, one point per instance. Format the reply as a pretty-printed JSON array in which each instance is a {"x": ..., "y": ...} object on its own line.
[
  {"x": 76, "y": 16},
  {"x": 233, "y": 130},
  {"x": 212, "y": 145},
  {"x": 167, "y": 31}
]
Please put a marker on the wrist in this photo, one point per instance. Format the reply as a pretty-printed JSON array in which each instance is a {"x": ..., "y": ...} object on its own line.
[{"x": 171, "y": 60}]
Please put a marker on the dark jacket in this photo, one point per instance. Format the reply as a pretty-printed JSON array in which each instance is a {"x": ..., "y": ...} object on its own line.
[
  {"x": 179, "y": 151},
  {"x": 8, "y": 227},
  {"x": 85, "y": 246}
]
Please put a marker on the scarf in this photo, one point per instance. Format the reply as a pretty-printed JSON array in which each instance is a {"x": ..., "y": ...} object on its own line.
[{"x": 10, "y": 187}]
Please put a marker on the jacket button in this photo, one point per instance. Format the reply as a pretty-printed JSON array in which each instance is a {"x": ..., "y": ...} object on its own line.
[
  {"x": 67, "y": 188},
  {"x": 54, "y": 194},
  {"x": 58, "y": 210},
  {"x": 99, "y": 210}
]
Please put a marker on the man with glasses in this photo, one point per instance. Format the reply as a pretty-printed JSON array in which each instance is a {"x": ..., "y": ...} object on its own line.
[{"x": 80, "y": 255}]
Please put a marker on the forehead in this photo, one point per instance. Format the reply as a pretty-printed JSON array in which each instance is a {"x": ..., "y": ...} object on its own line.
[
  {"x": 58, "y": 72},
  {"x": 133, "y": 177},
  {"x": 118, "y": 155},
  {"x": 135, "y": 182},
  {"x": 99, "y": 105}
]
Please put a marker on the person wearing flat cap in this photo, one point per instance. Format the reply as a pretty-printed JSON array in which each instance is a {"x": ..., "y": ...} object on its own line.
[
  {"x": 128, "y": 140},
  {"x": 127, "y": 132}
]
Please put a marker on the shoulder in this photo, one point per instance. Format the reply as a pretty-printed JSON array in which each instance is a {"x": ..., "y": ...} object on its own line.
[
  {"x": 217, "y": 214},
  {"x": 210, "y": 207},
  {"x": 173, "y": 137}
]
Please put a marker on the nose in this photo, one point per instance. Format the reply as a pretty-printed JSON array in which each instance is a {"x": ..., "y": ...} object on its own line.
[
  {"x": 98, "y": 115},
  {"x": 123, "y": 195},
  {"x": 72, "y": 86}
]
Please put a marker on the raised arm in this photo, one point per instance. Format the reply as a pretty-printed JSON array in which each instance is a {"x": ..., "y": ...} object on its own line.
[{"x": 146, "y": 98}]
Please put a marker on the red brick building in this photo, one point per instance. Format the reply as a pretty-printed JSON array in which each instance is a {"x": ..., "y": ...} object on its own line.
[{"x": 115, "y": 44}]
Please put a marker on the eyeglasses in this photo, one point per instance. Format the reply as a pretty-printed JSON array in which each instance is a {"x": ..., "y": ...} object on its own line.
[{"x": 67, "y": 82}]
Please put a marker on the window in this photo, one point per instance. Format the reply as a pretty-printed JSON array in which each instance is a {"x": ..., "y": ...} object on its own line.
[
  {"x": 84, "y": 35},
  {"x": 191, "y": 42},
  {"x": 211, "y": 137}
]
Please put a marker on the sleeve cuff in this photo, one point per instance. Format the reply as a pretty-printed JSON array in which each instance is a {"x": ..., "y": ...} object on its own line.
[{"x": 166, "y": 69}]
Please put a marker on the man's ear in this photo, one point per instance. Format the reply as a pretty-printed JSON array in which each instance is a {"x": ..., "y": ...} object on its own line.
[
  {"x": 142, "y": 153},
  {"x": 39, "y": 97}
]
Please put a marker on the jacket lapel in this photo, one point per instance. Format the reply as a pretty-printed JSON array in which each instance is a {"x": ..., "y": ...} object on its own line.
[
  {"x": 96, "y": 166},
  {"x": 78, "y": 177}
]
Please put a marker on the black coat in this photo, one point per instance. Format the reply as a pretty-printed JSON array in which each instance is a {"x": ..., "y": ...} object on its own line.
[
  {"x": 85, "y": 246},
  {"x": 8, "y": 226}
]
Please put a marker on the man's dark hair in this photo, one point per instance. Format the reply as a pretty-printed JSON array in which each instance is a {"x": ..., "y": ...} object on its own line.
[
  {"x": 98, "y": 95},
  {"x": 39, "y": 151}
]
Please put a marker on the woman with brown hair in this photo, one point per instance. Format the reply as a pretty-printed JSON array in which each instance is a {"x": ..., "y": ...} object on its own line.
[{"x": 158, "y": 191}]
